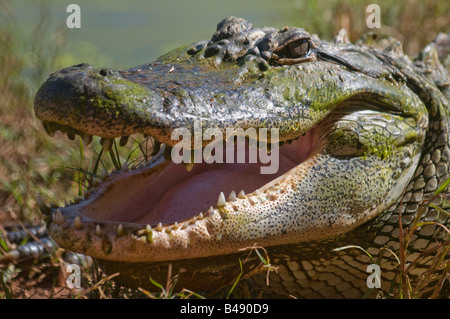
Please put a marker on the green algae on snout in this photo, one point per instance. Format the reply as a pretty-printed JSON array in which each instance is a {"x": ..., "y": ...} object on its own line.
[
  {"x": 119, "y": 94},
  {"x": 125, "y": 93}
]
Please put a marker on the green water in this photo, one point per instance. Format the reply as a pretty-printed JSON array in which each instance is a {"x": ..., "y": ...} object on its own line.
[
  {"x": 122, "y": 34},
  {"x": 127, "y": 33}
]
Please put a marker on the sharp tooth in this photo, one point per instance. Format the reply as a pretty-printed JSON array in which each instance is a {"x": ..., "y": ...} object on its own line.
[
  {"x": 148, "y": 228},
  {"x": 77, "y": 223},
  {"x": 256, "y": 192},
  {"x": 185, "y": 225},
  {"x": 119, "y": 231},
  {"x": 159, "y": 227},
  {"x": 232, "y": 196},
  {"x": 188, "y": 166},
  {"x": 241, "y": 194},
  {"x": 87, "y": 139},
  {"x": 210, "y": 210},
  {"x": 106, "y": 144},
  {"x": 272, "y": 196},
  {"x": 175, "y": 225},
  {"x": 98, "y": 230},
  {"x": 123, "y": 140},
  {"x": 200, "y": 216},
  {"x": 58, "y": 217},
  {"x": 103, "y": 174},
  {"x": 221, "y": 201},
  {"x": 169, "y": 229}
]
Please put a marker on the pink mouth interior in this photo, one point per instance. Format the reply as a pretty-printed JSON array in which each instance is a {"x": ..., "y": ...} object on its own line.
[{"x": 174, "y": 194}]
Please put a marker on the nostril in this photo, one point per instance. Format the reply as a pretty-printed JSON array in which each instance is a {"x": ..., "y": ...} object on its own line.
[{"x": 103, "y": 72}]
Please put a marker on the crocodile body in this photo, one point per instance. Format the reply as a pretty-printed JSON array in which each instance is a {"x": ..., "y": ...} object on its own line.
[{"x": 363, "y": 132}]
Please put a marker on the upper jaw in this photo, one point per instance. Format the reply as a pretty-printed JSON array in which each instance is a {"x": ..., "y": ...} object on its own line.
[{"x": 155, "y": 98}]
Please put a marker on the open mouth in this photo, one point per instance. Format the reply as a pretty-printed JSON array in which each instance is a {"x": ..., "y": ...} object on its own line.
[
  {"x": 161, "y": 192},
  {"x": 328, "y": 181},
  {"x": 161, "y": 210}
]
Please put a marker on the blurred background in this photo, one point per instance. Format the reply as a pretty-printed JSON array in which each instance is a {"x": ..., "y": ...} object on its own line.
[{"x": 34, "y": 41}]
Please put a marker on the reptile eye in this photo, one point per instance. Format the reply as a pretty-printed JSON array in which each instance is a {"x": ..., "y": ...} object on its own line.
[{"x": 298, "y": 48}]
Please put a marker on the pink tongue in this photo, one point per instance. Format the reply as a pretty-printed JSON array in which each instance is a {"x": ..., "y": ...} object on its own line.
[
  {"x": 199, "y": 192},
  {"x": 190, "y": 196}
]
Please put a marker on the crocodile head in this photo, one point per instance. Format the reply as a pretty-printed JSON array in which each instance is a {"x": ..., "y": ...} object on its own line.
[{"x": 346, "y": 130}]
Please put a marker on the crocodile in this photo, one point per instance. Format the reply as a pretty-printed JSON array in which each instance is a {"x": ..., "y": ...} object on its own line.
[{"x": 361, "y": 134}]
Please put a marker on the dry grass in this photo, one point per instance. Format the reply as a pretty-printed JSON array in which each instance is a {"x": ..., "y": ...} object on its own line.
[{"x": 429, "y": 284}]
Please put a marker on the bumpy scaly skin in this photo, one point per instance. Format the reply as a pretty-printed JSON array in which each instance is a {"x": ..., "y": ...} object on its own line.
[{"x": 379, "y": 121}]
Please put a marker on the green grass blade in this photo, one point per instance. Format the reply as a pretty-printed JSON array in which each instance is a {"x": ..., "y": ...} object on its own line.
[
  {"x": 442, "y": 187},
  {"x": 236, "y": 281}
]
